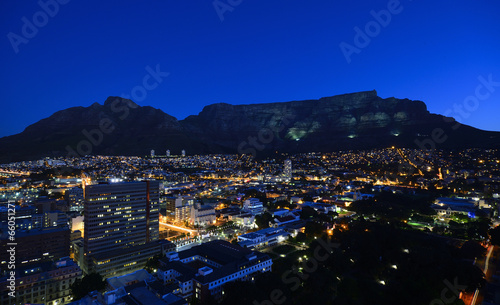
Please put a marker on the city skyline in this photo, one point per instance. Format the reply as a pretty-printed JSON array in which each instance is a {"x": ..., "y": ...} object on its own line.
[
  {"x": 221, "y": 224},
  {"x": 256, "y": 152}
]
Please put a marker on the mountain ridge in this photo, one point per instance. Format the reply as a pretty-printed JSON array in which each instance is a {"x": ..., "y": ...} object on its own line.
[{"x": 360, "y": 120}]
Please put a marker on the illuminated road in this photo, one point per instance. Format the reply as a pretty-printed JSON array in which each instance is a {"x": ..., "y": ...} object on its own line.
[
  {"x": 474, "y": 299},
  {"x": 477, "y": 294},
  {"x": 14, "y": 173},
  {"x": 487, "y": 264},
  {"x": 178, "y": 228},
  {"x": 405, "y": 158}
]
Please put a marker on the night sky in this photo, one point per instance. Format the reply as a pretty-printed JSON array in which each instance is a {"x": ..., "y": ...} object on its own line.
[{"x": 250, "y": 51}]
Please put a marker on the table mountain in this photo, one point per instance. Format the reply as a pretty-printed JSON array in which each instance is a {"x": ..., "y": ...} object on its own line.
[{"x": 360, "y": 120}]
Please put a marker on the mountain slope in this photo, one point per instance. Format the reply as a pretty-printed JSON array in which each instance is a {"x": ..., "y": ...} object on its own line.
[
  {"x": 118, "y": 127},
  {"x": 351, "y": 121}
]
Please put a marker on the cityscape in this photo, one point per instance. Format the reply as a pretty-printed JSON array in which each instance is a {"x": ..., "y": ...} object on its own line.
[
  {"x": 179, "y": 226},
  {"x": 262, "y": 153}
]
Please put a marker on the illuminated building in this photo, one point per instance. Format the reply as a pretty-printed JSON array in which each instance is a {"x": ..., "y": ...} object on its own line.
[
  {"x": 287, "y": 170},
  {"x": 42, "y": 283},
  {"x": 202, "y": 215},
  {"x": 36, "y": 245},
  {"x": 202, "y": 271},
  {"x": 253, "y": 206},
  {"x": 121, "y": 226}
]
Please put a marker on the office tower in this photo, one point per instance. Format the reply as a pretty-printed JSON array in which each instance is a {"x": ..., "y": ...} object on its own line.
[
  {"x": 287, "y": 171},
  {"x": 121, "y": 226},
  {"x": 168, "y": 153},
  {"x": 36, "y": 245},
  {"x": 152, "y": 152},
  {"x": 183, "y": 153}
]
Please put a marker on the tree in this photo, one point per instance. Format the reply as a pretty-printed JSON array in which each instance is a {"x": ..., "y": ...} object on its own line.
[
  {"x": 313, "y": 229},
  {"x": 333, "y": 214},
  {"x": 461, "y": 217},
  {"x": 308, "y": 212},
  {"x": 367, "y": 188},
  {"x": 153, "y": 263},
  {"x": 307, "y": 198},
  {"x": 91, "y": 282},
  {"x": 478, "y": 229},
  {"x": 262, "y": 291},
  {"x": 495, "y": 236},
  {"x": 471, "y": 250},
  {"x": 262, "y": 221},
  {"x": 301, "y": 237}
]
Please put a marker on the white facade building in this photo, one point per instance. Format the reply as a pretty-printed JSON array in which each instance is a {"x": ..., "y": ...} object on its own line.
[
  {"x": 253, "y": 206},
  {"x": 287, "y": 170},
  {"x": 202, "y": 215},
  {"x": 221, "y": 262}
]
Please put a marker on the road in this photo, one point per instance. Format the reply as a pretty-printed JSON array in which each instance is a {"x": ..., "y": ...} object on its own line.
[
  {"x": 14, "y": 173},
  {"x": 193, "y": 232},
  {"x": 477, "y": 297},
  {"x": 492, "y": 289},
  {"x": 301, "y": 247}
]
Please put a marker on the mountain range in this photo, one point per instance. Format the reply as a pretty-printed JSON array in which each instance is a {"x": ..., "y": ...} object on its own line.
[{"x": 361, "y": 120}]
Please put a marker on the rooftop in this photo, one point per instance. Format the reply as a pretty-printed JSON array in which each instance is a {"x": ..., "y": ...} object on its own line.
[
  {"x": 125, "y": 280},
  {"x": 230, "y": 257}
]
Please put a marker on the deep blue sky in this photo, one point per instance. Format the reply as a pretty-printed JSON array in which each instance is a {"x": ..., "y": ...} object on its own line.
[{"x": 263, "y": 51}]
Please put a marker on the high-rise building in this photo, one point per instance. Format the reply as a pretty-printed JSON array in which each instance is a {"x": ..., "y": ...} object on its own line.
[
  {"x": 27, "y": 218},
  {"x": 74, "y": 197},
  {"x": 36, "y": 245},
  {"x": 169, "y": 205},
  {"x": 152, "y": 152},
  {"x": 183, "y": 153},
  {"x": 183, "y": 208},
  {"x": 287, "y": 170},
  {"x": 121, "y": 226},
  {"x": 168, "y": 153}
]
